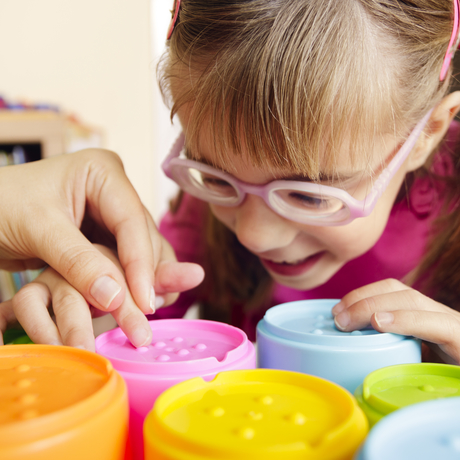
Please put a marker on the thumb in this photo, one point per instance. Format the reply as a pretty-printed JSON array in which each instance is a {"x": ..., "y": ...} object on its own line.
[{"x": 91, "y": 273}]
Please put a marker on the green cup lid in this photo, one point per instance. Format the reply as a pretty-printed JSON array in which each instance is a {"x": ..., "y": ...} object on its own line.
[{"x": 390, "y": 388}]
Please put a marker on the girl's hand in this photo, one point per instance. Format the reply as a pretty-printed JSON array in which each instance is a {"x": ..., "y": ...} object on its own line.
[
  {"x": 391, "y": 306},
  {"x": 52, "y": 210},
  {"x": 72, "y": 324}
]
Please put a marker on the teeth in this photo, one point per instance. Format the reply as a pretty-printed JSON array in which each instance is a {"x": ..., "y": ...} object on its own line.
[{"x": 292, "y": 263}]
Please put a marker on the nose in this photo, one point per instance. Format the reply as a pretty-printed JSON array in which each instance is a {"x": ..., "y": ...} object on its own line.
[{"x": 260, "y": 229}]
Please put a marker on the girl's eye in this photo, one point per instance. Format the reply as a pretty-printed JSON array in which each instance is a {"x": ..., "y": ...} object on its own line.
[
  {"x": 303, "y": 200},
  {"x": 214, "y": 182}
]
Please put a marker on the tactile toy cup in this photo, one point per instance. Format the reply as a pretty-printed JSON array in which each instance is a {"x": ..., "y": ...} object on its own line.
[
  {"x": 250, "y": 415},
  {"x": 386, "y": 390},
  {"x": 424, "y": 431},
  {"x": 301, "y": 336},
  {"x": 181, "y": 349},
  {"x": 60, "y": 403}
]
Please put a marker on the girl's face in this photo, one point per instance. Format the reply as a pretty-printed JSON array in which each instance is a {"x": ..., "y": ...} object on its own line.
[{"x": 298, "y": 255}]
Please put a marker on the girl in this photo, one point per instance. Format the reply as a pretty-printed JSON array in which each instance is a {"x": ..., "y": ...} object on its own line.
[{"x": 318, "y": 160}]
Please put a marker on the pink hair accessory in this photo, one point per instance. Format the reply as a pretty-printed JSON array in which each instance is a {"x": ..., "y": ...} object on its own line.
[
  {"x": 453, "y": 43},
  {"x": 176, "y": 9}
]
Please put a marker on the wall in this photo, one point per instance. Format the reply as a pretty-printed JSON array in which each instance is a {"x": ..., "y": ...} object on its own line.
[{"x": 93, "y": 58}]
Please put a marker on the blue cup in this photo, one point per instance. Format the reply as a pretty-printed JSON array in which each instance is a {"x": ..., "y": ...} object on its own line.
[
  {"x": 301, "y": 336},
  {"x": 423, "y": 431}
]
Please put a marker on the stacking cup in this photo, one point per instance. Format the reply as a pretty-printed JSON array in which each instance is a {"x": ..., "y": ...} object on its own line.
[
  {"x": 60, "y": 403},
  {"x": 259, "y": 414},
  {"x": 386, "y": 390},
  {"x": 301, "y": 336},
  {"x": 181, "y": 349},
  {"x": 424, "y": 431}
]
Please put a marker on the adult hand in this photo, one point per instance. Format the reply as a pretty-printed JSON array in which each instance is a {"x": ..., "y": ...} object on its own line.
[
  {"x": 50, "y": 212},
  {"x": 391, "y": 306},
  {"x": 50, "y": 297}
]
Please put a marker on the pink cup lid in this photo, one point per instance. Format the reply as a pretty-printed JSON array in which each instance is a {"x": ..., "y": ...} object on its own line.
[{"x": 178, "y": 346}]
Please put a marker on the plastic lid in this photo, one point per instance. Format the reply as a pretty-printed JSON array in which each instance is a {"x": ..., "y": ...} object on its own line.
[
  {"x": 426, "y": 431},
  {"x": 178, "y": 345},
  {"x": 311, "y": 321},
  {"x": 252, "y": 414},
  {"x": 388, "y": 389},
  {"x": 47, "y": 389}
]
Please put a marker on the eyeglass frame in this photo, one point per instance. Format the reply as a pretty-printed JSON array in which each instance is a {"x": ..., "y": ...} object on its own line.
[{"x": 356, "y": 208}]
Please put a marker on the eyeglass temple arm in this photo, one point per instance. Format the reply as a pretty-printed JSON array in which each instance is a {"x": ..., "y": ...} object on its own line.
[
  {"x": 173, "y": 153},
  {"x": 388, "y": 173}
]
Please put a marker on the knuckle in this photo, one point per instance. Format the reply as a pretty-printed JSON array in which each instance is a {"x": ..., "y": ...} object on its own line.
[
  {"x": 392, "y": 284},
  {"x": 27, "y": 294}
]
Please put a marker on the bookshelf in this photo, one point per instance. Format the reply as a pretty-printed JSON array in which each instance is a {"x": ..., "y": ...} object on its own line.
[{"x": 30, "y": 134}]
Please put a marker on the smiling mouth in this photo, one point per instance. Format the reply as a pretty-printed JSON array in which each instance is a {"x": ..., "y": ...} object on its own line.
[{"x": 292, "y": 268}]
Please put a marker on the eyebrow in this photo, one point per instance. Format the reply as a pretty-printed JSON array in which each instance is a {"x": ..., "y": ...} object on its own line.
[{"x": 290, "y": 177}]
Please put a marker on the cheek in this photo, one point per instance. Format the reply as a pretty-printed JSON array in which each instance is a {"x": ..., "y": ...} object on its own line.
[
  {"x": 351, "y": 241},
  {"x": 224, "y": 214}
]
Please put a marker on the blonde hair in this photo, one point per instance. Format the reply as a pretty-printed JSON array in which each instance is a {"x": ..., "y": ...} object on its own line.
[{"x": 293, "y": 82}]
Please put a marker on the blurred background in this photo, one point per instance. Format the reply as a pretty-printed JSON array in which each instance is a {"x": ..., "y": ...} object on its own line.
[{"x": 95, "y": 61}]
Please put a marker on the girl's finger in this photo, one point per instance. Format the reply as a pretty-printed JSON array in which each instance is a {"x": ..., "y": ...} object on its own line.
[
  {"x": 175, "y": 277},
  {"x": 441, "y": 328},
  {"x": 358, "y": 315},
  {"x": 30, "y": 306},
  {"x": 369, "y": 290}
]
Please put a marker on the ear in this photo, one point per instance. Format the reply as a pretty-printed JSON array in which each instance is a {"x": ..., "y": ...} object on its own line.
[{"x": 435, "y": 130}]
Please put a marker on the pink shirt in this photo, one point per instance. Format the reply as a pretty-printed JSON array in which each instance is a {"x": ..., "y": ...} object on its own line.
[{"x": 398, "y": 251}]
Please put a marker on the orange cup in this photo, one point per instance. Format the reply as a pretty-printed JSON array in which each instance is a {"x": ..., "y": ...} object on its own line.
[{"x": 60, "y": 403}]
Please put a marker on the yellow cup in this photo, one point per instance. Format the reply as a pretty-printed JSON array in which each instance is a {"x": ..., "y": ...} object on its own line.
[
  {"x": 60, "y": 403},
  {"x": 255, "y": 414}
]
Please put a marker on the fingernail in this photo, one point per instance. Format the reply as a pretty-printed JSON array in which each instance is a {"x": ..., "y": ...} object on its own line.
[
  {"x": 104, "y": 290},
  {"x": 384, "y": 318},
  {"x": 152, "y": 300},
  {"x": 342, "y": 320},
  {"x": 159, "y": 301},
  {"x": 141, "y": 338},
  {"x": 338, "y": 308}
]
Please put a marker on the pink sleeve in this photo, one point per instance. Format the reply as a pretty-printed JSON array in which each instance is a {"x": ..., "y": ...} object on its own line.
[{"x": 184, "y": 231}]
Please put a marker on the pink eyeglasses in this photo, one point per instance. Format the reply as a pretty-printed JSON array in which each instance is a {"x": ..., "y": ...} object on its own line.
[{"x": 304, "y": 202}]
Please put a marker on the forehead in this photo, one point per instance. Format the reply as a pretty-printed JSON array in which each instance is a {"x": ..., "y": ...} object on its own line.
[{"x": 332, "y": 166}]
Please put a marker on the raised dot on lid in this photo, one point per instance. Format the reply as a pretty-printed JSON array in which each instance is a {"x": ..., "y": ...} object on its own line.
[
  {"x": 428, "y": 388},
  {"x": 28, "y": 399},
  {"x": 178, "y": 339},
  {"x": 216, "y": 411},
  {"x": 246, "y": 433},
  {"x": 28, "y": 414},
  {"x": 265, "y": 400},
  {"x": 200, "y": 346},
  {"x": 163, "y": 358},
  {"x": 183, "y": 352},
  {"x": 23, "y": 383},
  {"x": 297, "y": 418},
  {"x": 320, "y": 317},
  {"x": 356, "y": 333},
  {"x": 318, "y": 332},
  {"x": 159, "y": 345},
  {"x": 255, "y": 415},
  {"x": 142, "y": 349},
  {"x": 23, "y": 368}
]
